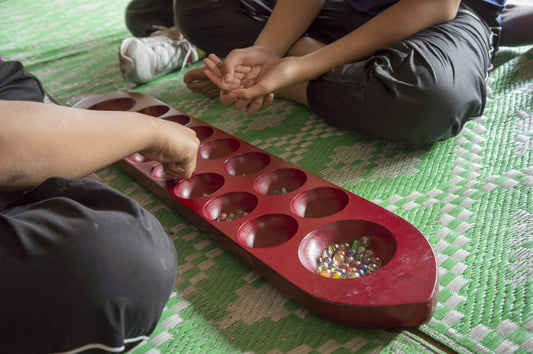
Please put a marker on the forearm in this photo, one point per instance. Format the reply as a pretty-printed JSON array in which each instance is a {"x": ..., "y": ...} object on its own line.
[
  {"x": 398, "y": 22},
  {"x": 40, "y": 140},
  {"x": 287, "y": 23}
]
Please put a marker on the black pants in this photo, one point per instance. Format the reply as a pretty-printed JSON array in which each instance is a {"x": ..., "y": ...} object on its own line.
[
  {"x": 82, "y": 267},
  {"x": 17, "y": 84},
  {"x": 420, "y": 90}
]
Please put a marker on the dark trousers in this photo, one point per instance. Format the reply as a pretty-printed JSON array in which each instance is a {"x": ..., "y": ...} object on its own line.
[
  {"x": 81, "y": 265},
  {"x": 420, "y": 90},
  {"x": 17, "y": 84}
]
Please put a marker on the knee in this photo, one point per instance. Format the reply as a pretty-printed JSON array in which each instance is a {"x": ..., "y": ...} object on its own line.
[
  {"x": 134, "y": 256},
  {"x": 118, "y": 282},
  {"x": 412, "y": 115},
  {"x": 424, "y": 116},
  {"x": 102, "y": 271}
]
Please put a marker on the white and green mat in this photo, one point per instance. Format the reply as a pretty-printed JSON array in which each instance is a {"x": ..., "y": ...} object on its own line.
[{"x": 471, "y": 196}]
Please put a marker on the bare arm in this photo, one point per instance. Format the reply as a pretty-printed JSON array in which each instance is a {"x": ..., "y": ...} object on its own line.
[
  {"x": 287, "y": 23},
  {"x": 40, "y": 140},
  {"x": 398, "y": 22}
]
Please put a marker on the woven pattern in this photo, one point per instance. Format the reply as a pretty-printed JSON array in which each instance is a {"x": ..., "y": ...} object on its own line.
[{"x": 471, "y": 196}]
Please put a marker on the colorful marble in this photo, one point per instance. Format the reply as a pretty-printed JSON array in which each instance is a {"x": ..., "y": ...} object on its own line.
[
  {"x": 348, "y": 261},
  {"x": 231, "y": 215}
]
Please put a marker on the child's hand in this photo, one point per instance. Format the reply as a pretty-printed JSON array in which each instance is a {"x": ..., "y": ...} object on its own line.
[
  {"x": 249, "y": 57},
  {"x": 243, "y": 77},
  {"x": 176, "y": 146},
  {"x": 213, "y": 70},
  {"x": 269, "y": 78}
]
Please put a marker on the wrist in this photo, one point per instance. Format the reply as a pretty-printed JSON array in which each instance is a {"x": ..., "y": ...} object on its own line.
[
  {"x": 273, "y": 48},
  {"x": 149, "y": 132}
]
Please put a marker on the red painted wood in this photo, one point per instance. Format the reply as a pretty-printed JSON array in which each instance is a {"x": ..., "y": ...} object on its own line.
[{"x": 282, "y": 235}]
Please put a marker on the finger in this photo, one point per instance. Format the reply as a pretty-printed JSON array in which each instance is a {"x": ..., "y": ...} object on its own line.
[
  {"x": 248, "y": 83},
  {"x": 205, "y": 87},
  {"x": 211, "y": 65},
  {"x": 238, "y": 76},
  {"x": 257, "y": 90},
  {"x": 210, "y": 91},
  {"x": 255, "y": 104},
  {"x": 215, "y": 59},
  {"x": 253, "y": 74},
  {"x": 200, "y": 85},
  {"x": 226, "y": 97},
  {"x": 217, "y": 80},
  {"x": 241, "y": 103},
  {"x": 229, "y": 64},
  {"x": 194, "y": 75},
  {"x": 268, "y": 100},
  {"x": 183, "y": 169},
  {"x": 242, "y": 69}
]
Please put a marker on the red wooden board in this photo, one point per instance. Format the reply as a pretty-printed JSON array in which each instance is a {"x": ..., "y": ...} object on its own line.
[{"x": 282, "y": 235}]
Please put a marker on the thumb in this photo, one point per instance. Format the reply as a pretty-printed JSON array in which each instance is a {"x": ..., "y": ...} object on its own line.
[
  {"x": 229, "y": 64},
  {"x": 182, "y": 169}
]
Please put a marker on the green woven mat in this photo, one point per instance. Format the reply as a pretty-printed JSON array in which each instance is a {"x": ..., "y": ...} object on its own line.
[{"x": 471, "y": 196}]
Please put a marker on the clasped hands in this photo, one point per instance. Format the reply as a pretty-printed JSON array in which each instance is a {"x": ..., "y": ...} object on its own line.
[{"x": 248, "y": 78}]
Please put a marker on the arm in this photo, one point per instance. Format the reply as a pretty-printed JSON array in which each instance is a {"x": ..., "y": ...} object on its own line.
[
  {"x": 40, "y": 140},
  {"x": 398, "y": 22},
  {"x": 287, "y": 23}
]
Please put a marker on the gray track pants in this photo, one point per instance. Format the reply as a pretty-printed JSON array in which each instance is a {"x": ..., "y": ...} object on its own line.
[{"x": 419, "y": 90}]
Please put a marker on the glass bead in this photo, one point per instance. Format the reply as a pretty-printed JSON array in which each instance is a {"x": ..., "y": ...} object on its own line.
[
  {"x": 338, "y": 259},
  {"x": 322, "y": 266},
  {"x": 338, "y": 273},
  {"x": 360, "y": 254},
  {"x": 363, "y": 268},
  {"x": 344, "y": 266},
  {"x": 369, "y": 254},
  {"x": 340, "y": 251},
  {"x": 355, "y": 264},
  {"x": 365, "y": 241},
  {"x": 366, "y": 261},
  {"x": 345, "y": 260},
  {"x": 326, "y": 274},
  {"x": 377, "y": 261},
  {"x": 372, "y": 267}
]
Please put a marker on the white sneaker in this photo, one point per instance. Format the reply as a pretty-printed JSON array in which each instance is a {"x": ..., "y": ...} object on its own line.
[{"x": 145, "y": 59}]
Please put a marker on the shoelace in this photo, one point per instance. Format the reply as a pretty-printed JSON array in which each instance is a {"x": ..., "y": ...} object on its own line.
[{"x": 161, "y": 47}]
